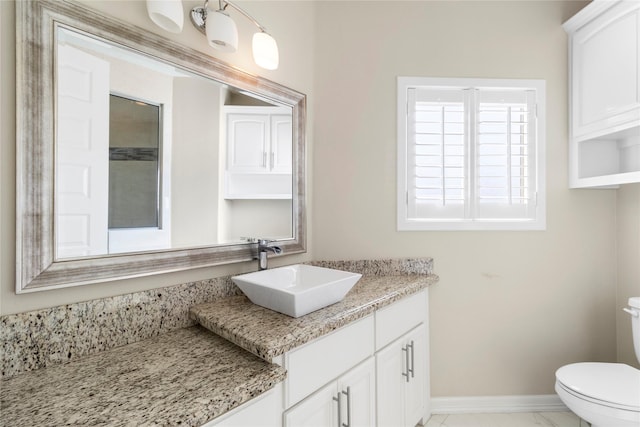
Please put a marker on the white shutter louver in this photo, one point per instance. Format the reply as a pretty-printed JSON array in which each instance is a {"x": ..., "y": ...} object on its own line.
[
  {"x": 505, "y": 154},
  {"x": 437, "y": 162}
]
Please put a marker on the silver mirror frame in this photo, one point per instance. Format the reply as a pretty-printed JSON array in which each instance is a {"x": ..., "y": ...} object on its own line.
[{"x": 36, "y": 268}]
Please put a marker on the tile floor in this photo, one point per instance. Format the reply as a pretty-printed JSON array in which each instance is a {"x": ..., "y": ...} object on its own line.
[{"x": 522, "y": 419}]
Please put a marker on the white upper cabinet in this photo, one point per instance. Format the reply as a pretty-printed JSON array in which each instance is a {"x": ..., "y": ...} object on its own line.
[
  {"x": 259, "y": 153},
  {"x": 259, "y": 140},
  {"x": 604, "y": 71},
  {"x": 604, "y": 80},
  {"x": 249, "y": 142}
]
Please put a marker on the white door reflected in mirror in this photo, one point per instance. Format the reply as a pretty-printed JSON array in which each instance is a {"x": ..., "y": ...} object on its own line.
[{"x": 82, "y": 154}]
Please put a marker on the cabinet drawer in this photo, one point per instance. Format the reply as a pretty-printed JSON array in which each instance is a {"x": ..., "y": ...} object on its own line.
[
  {"x": 400, "y": 317},
  {"x": 323, "y": 360}
]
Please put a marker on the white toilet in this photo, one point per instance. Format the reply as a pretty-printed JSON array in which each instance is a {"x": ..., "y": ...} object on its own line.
[{"x": 604, "y": 394}]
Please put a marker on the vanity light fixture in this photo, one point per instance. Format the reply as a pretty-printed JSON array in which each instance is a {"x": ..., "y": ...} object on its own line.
[
  {"x": 166, "y": 14},
  {"x": 217, "y": 26},
  {"x": 222, "y": 33}
]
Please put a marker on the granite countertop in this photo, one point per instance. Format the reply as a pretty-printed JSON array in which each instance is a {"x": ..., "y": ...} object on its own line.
[
  {"x": 268, "y": 334},
  {"x": 185, "y": 377}
]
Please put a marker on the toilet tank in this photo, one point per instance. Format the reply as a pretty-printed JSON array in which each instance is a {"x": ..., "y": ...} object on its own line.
[{"x": 634, "y": 303}]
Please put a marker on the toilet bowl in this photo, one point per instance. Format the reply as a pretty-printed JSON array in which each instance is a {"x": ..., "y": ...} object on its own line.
[{"x": 604, "y": 394}]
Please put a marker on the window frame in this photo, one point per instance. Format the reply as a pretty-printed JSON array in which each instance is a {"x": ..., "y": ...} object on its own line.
[{"x": 404, "y": 222}]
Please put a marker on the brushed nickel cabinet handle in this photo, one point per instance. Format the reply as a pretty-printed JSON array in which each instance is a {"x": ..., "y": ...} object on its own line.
[
  {"x": 337, "y": 399},
  {"x": 406, "y": 360},
  {"x": 412, "y": 360},
  {"x": 348, "y": 394}
]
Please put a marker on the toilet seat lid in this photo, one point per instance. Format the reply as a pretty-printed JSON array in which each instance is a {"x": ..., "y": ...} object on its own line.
[{"x": 614, "y": 384}]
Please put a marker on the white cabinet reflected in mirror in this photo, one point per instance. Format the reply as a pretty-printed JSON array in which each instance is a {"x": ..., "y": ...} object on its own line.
[{"x": 141, "y": 156}]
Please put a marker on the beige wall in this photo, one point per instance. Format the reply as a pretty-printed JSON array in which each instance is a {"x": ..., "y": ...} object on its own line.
[
  {"x": 194, "y": 174},
  {"x": 511, "y": 307},
  {"x": 291, "y": 23},
  {"x": 628, "y": 237}
]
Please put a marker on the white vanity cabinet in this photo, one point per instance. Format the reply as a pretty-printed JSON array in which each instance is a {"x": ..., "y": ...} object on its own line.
[
  {"x": 348, "y": 401},
  {"x": 258, "y": 152},
  {"x": 604, "y": 77},
  {"x": 354, "y": 376}
]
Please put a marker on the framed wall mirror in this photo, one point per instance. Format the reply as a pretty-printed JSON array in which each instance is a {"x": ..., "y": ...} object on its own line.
[{"x": 138, "y": 156}]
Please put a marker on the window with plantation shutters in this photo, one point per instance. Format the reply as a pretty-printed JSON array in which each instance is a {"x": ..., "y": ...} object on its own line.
[{"x": 470, "y": 154}]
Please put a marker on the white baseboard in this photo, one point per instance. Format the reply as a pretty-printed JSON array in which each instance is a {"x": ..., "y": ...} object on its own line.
[{"x": 493, "y": 404}]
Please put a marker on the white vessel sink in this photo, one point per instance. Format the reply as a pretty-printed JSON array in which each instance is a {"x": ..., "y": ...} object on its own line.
[{"x": 296, "y": 290}]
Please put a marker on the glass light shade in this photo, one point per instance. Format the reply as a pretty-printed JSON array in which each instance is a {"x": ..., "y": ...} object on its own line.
[
  {"x": 265, "y": 51},
  {"x": 222, "y": 33},
  {"x": 166, "y": 14}
]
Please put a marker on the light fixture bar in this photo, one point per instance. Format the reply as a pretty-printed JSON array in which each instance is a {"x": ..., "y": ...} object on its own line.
[
  {"x": 222, "y": 33},
  {"x": 199, "y": 15}
]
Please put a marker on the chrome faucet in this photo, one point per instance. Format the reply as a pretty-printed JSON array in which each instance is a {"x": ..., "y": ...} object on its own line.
[{"x": 263, "y": 249}]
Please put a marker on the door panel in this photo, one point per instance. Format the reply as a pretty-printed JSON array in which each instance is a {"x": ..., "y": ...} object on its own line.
[
  {"x": 358, "y": 405},
  {"x": 318, "y": 410},
  {"x": 390, "y": 364},
  {"x": 415, "y": 388},
  {"x": 82, "y": 156}
]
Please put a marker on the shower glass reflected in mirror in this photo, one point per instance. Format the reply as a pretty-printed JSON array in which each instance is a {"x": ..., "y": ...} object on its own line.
[{"x": 134, "y": 167}]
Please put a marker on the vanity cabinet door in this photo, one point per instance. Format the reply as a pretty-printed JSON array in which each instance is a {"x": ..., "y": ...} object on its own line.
[
  {"x": 415, "y": 395},
  {"x": 390, "y": 364},
  {"x": 348, "y": 401},
  {"x": 401, "y": 373},
  {"x": 319, "y": 409},
  {"x": 357, "y": 391}
]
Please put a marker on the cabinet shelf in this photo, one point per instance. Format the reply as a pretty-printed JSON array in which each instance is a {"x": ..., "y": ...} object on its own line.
[
  {"x": 244, "y": 186},
  {"x": 607, "y": 160}
]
